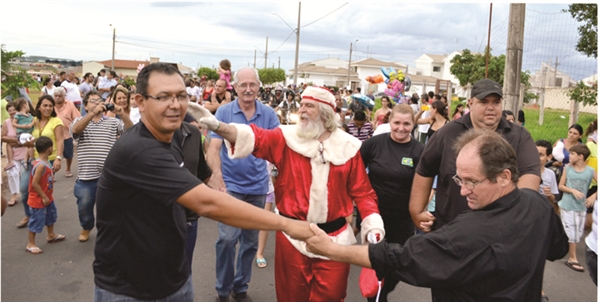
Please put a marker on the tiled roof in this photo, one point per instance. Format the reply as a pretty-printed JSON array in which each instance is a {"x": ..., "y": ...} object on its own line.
[{"x": 127, "y": 64}]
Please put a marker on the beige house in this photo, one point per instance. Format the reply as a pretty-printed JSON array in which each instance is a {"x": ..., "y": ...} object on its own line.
[
  {"x": 128, "y": 68},
  {"x": 329, "y": 71}
]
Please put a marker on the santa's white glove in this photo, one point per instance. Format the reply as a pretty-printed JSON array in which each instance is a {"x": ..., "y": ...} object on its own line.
[
  {"x": 203, "y": 116},
  {"x": 374, "y": 236}
]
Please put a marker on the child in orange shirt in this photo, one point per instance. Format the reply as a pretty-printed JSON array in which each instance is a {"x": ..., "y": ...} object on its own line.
[{"x": 40, "y": 200}]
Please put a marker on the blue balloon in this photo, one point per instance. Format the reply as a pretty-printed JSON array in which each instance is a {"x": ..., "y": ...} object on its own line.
[
  {"x": 385, "y": 73},
  {"x": 364, "y": 100}
]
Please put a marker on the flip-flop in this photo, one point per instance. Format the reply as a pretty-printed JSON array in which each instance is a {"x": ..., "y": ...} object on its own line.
[
  {"x": 571, "y": 265},
  {"x": 22, "y": 224},
  {"x": 261, "y": 262},
  {"x": 11, "y": 203},
  {"x": 58, "y": 238},
  {"x": 68, "y": 174},
  {"x": 33, "y": 250}
]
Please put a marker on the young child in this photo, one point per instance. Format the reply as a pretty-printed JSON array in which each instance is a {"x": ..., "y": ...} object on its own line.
[
  {"x": 574, "y": 183},
  {"x": 23, "y": 124},
  {"x": 40, "y": 200},
  {"x": 548, "y": 187},
  {"x": 225, "y": 72}
]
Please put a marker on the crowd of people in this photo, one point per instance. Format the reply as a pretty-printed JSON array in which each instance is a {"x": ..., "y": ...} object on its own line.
[{"x": 426, "y": 191}]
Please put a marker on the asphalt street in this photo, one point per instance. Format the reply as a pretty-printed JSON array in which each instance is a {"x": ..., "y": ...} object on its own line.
[{"x": 63, "y": 272}]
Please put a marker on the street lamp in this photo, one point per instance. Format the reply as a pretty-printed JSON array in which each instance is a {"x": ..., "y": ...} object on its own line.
[
  {"x": 297, "y": 30},
  {"x": 112, "y": 66},
  {"x": 556, "y": 67},
  {"x": 349, "y": 61}
]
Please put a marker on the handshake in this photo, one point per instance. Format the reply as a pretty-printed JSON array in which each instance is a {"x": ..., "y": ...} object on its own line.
[{"x": 203, "y": 116}]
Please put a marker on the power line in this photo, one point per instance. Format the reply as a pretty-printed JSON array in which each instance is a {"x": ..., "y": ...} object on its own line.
[{"x": 325, "y": 15}]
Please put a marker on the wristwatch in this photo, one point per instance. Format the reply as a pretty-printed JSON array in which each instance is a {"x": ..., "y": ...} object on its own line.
[{"x": 59, "y": 157}]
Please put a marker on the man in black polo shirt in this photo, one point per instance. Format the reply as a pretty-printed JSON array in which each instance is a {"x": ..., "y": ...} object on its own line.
[
  {"x": 438, "y": 158},
  {"x": 141, "y": 196}
]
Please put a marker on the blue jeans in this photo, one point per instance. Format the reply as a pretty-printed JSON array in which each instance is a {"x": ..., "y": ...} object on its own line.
[
  {"x": 190, "y": 241},
  {"x": 227, "y": 278},
  {"x": 24, "y": 187},
  {"x": 185, "y": 293},
  {"x": 85, "y": 192}
]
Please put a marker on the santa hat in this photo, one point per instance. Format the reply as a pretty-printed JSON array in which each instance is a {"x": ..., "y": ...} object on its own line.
[{"x": 319, "y": 94}]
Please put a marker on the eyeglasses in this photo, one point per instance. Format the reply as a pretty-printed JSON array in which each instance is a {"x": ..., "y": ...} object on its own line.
[
  {"x": 246, "y": 85},
  {"x": 467, "y": 183},
  {"x": 182, "y": 98},
  {"x": 95, "y": 101}
]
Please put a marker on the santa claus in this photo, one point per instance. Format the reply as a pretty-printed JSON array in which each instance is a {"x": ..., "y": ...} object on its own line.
[{"x": 321, "y": 173}]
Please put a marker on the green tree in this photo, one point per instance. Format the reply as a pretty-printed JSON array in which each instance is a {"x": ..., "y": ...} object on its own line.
[
  {"x": 271, "y": 75},
  {"x": 14, "y": 77},
  {"x": 585, "y": 94},
  {"x": 470, "y": 68},
  {"x": 588, "y": 31},
  {"x": 210, "y": 73}
]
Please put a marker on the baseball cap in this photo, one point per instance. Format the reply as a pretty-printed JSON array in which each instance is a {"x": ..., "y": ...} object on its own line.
[{"x": 485, "y": 87}]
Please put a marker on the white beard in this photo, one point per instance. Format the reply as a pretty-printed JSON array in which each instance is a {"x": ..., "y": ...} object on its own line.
[{"x": 312, "y": 130}]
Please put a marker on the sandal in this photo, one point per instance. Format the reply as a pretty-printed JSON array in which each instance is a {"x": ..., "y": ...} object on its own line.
[
  {"x": 58, "y": 238},
  {"x": 68, "y": 174},
  {"x": 574, "y": 266},
  {"x": 22, "y": 224},
  {"x": 261, "y": 262},
  {"x": 33, "y": 250},
  {"x": 11, "y": 203}
]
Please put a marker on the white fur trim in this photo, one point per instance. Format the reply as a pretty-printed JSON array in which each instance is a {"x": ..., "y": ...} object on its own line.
[
  {"x": 338, "y": 149},
  {"x": 319, "y": 94},
  {"x": 244, "y": 142},
  {"x": 346, "y": 237},
  {"x": 372, "y": 222}
]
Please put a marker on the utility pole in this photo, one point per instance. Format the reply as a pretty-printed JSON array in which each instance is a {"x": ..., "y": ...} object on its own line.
[
  {"x": 555, "y": 70},
  {"x": 266, "y": 52},
  {"x": 297, "y": 48},
  {"x": 112, "y": 65},
  {"x": 255, "y": 59},
  {"x": 487, "y": 53},
  {"x": 542, "y": 96},
  {"x": 514, "y": 56},
  {"x": 278, "y": 62},
  {"x": 350, "y": 61}
]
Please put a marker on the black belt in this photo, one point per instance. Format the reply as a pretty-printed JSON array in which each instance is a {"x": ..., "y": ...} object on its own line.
[{"x": 328, "y": 227}]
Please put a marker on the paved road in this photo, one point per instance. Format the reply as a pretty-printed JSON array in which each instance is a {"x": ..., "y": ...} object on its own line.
[{"x": 63, "y": 272}]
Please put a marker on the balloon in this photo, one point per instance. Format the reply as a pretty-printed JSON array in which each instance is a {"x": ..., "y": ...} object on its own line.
[
  {"x": 364, "y": 100},
  {"x": 407, "y": 83},
  {"x": 385, "y": 72}
]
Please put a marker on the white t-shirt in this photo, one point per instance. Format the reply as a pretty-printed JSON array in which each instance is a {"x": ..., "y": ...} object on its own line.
[
  {"x": 48, "y": 91},
  {"x": 197, "y": 91},
  {"x": 424, "y": 127},
  {"x": 383, "y": 128},
  {"x": 134, "y": 115},
  {"x": 549, "y": 180},
  {"x": 73, "y": 94}
]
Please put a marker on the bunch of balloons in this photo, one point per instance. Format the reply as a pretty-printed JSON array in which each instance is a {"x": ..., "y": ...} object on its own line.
[
  {"x": 378, "y": 79},
  {"x": 397, "y": 84}
]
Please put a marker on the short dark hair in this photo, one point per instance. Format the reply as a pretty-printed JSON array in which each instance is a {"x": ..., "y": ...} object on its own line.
[
  {"x": 102, "y": 70},
  {"x": 19, "y": 102},
  {"x": 62, "y": 73},
  {"x": 581, "y": 149},
  {"x": 9, "y": 104},
  {"x": 87, "y": 75},
  {"x": 425, "y": 97},
  {"x": 360, "y": 116},
  {"x": 144, "y": 75},
  {"x": 43, "y": 143},
  {"x": 89, "y": 94},
  {"x": 495, "y": 152},
  {"x": 113, "y": 73},
  {"x": 546, "y": 144},
  {"x": 506, "y": 113},
  {"x": 431, "y": 94},
  {"x": 48, "y": 97}
]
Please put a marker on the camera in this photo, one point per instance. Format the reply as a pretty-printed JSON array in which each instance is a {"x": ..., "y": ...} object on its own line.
[{"x": 109, "y": 107}]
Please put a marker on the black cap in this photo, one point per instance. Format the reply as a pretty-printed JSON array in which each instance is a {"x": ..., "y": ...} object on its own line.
[{"x": 485, "y": 87}]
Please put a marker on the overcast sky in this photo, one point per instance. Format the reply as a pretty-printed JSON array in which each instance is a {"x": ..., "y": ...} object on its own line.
[{"x": 201, "y": 34}]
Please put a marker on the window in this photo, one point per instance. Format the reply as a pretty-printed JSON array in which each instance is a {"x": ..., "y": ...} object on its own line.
[{"x": 436, "y": 69}]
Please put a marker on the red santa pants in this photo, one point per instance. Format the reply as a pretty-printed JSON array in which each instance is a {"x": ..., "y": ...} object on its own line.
[{"x": 300, "y": 278}]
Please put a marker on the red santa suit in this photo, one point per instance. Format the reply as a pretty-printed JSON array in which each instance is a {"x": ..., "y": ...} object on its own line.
[{"x": 316, "y": 183}]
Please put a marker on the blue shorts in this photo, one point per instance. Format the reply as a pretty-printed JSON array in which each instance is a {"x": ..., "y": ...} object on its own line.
[
  {"x": 68, "y": 149},
  {"x": 42, "y": 217}
]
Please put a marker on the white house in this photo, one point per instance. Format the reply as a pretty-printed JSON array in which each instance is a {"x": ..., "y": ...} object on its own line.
[
  {"x": 438, "y": 66},
  {"x": 329, "y": 71}
]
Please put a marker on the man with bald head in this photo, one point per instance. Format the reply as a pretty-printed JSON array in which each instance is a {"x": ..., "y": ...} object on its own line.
[{"x": 246, "y": 179}]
